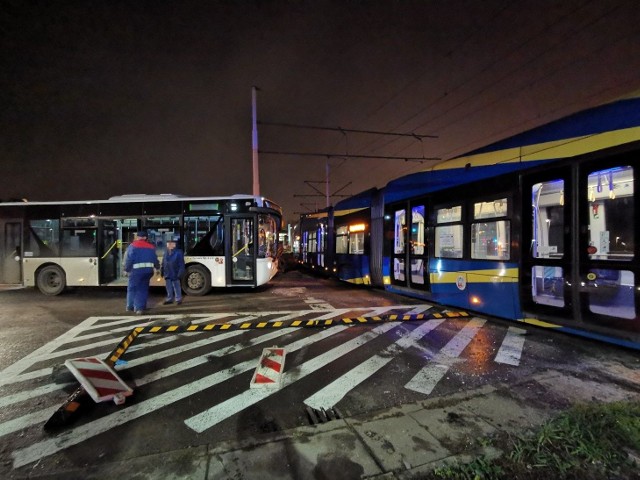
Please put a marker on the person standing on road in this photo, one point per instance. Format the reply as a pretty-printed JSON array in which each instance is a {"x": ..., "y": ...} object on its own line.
[
  {"x": 141, "y": 260},
  {"x": 172, "y": 270}
]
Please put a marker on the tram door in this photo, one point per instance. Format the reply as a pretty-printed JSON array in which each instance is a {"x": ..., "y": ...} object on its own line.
[
  {"x": 580, "y": 229},
  {"x": 548, "y": 269},
  {"x": 609, "y": 270},
  {"x": 241, "y": 262},
  {"x": 11, "y": 256},
  {"x": 409, "y": 252}
]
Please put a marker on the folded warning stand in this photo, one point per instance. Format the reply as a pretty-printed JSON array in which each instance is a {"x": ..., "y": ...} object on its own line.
[
  {"x": 269, "y": 370},
  {"x": 99, "y": 380}
]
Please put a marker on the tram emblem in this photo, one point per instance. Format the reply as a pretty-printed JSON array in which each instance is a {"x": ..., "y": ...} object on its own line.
[{"x": 461, "y": 283}]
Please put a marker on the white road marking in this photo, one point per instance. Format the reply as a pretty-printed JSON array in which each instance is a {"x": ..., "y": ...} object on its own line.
[
  {"x": 44, "y": 414},
  {"x": 220, "y": 412},
  {"x": 79, "y": 434},
  {"x": 17, "y": 372},
  {"x": 511, "y": 348},
  {"x": 428, "y": 377},
  {"x": 330, "y": 395}
]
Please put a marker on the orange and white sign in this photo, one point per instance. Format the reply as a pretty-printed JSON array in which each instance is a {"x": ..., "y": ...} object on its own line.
[
  {"x": 99, "y": 380},
  {"x": 269, "y": 371}
]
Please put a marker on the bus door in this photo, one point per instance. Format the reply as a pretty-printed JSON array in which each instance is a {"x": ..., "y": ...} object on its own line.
[
  {"x": 241, "y": 249},
  {"x": 609, "y": 272},
  {"x": 108, "y": 251},
  {"x": 548, "y": 264},
  {"x": 11, "y": 252}
]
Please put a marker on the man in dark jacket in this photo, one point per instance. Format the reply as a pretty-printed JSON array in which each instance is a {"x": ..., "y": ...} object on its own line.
[
  {"x": 141, "y": 260},
  {"x": 172, "y": 271}
]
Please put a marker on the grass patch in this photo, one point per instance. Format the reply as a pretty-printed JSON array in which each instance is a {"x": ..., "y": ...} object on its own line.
[{"x": 592, "y": 441}]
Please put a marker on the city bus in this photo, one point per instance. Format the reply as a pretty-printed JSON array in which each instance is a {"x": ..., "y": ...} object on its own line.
[{"x": 228, "y": 241}]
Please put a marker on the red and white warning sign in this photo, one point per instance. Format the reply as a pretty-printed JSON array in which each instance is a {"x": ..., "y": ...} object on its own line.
[
  {"x": 99, "y": 380},
  {"x": 270, "y": 367}
]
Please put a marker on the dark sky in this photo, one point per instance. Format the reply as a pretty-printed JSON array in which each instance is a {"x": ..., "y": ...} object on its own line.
[{"x": 102, "y": 98}]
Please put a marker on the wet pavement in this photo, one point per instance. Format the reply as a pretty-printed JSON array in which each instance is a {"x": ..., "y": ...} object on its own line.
[
  {"x": 403, "y": 442},
  {"x": 469, "y": 415}
]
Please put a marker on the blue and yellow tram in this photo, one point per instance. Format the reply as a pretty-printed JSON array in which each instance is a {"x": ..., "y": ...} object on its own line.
[{"x": 538, "y": 228}]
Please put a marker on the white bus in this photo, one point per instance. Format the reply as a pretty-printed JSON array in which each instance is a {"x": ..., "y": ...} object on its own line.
[{"x": 228, "y": 241}]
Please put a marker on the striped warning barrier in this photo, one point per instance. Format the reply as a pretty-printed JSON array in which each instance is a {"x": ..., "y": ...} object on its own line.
[
  {"x": 268, "y": 373},
  {"x": 99, "y": 380}
]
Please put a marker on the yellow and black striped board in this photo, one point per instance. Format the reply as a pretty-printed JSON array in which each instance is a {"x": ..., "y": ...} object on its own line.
[{"x": 295, "y": 323}]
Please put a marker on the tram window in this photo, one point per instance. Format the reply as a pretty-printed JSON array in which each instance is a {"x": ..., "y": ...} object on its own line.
[
  {"x": 356, "y": 243},
  {"x": 448, "y": 242},
  {"x": 548, "y": 219},
  {"x": 611, "y": 214},
  {"x": 448, "y": 215},
  {"x": 417, "y": 230},
  {"x": 490, "y": 240},
  {"x": 417, "y": 271},
  {"x": 611, "y": 293},
  {"x": 548, "y": 285},
  {"x": 400, "y": 227},
  {"x": 492, "y": 209},
  {"x": 43, "y": 238},
  {"x": 398, "y": 269},
  {"x": 321, "y": 239},
  {"x": 342, "y": 240}
]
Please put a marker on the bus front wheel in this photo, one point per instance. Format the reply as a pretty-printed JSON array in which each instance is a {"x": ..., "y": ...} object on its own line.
[
  {"x": 196, "y": 281},
  {"x": 51, "y": 280}
]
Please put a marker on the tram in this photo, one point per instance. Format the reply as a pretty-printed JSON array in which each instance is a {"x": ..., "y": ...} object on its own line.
[{"x": 539, "y": 228}]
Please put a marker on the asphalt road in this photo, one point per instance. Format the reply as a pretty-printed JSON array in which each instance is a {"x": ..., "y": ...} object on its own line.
[{"x": 193, "y": 389}]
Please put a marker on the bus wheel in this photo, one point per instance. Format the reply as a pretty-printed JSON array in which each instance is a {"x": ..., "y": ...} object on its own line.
[
  {"x": 196, "y": 281},
  {"x": 51, "y": 280}
]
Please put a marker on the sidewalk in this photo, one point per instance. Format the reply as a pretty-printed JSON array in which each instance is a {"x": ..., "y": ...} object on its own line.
[{"x": 398, "y": 443}]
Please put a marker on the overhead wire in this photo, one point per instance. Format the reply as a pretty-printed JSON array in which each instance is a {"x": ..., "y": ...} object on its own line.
[{"x": 512, "y": 72}]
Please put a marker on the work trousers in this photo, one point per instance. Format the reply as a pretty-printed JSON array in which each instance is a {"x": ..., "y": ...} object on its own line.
[
  {"x": 174, "y": 290},
  {"x": 138, "y": 288}
]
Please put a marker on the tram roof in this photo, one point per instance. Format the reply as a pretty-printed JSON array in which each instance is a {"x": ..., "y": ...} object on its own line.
[
  {"x": 605, "y": 126},
  {"x": 596, "y": 128}
]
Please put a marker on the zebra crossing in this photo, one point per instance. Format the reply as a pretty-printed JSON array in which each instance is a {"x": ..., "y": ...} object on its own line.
[{"x": 29, "y": 396}]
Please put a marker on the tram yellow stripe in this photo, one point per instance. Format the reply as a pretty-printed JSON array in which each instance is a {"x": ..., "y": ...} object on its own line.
[{"x": 540, "y": 323}]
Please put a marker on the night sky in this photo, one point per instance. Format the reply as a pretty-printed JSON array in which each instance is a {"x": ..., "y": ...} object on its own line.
[{"x": 103, "y": 98}]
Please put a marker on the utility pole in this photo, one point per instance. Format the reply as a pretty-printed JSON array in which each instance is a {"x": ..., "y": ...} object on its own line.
[
  {"x": 254, "y": 142},
  {"x": 326, "y": 186}
]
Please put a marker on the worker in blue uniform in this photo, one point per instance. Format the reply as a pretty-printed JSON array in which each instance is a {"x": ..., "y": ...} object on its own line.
[
  {"x": 140, "y": 264},
  {"x": 173, "y": 270}
]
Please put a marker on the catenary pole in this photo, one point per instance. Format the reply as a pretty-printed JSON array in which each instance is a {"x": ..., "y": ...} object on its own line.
[{"x": 254, "y": 142}]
